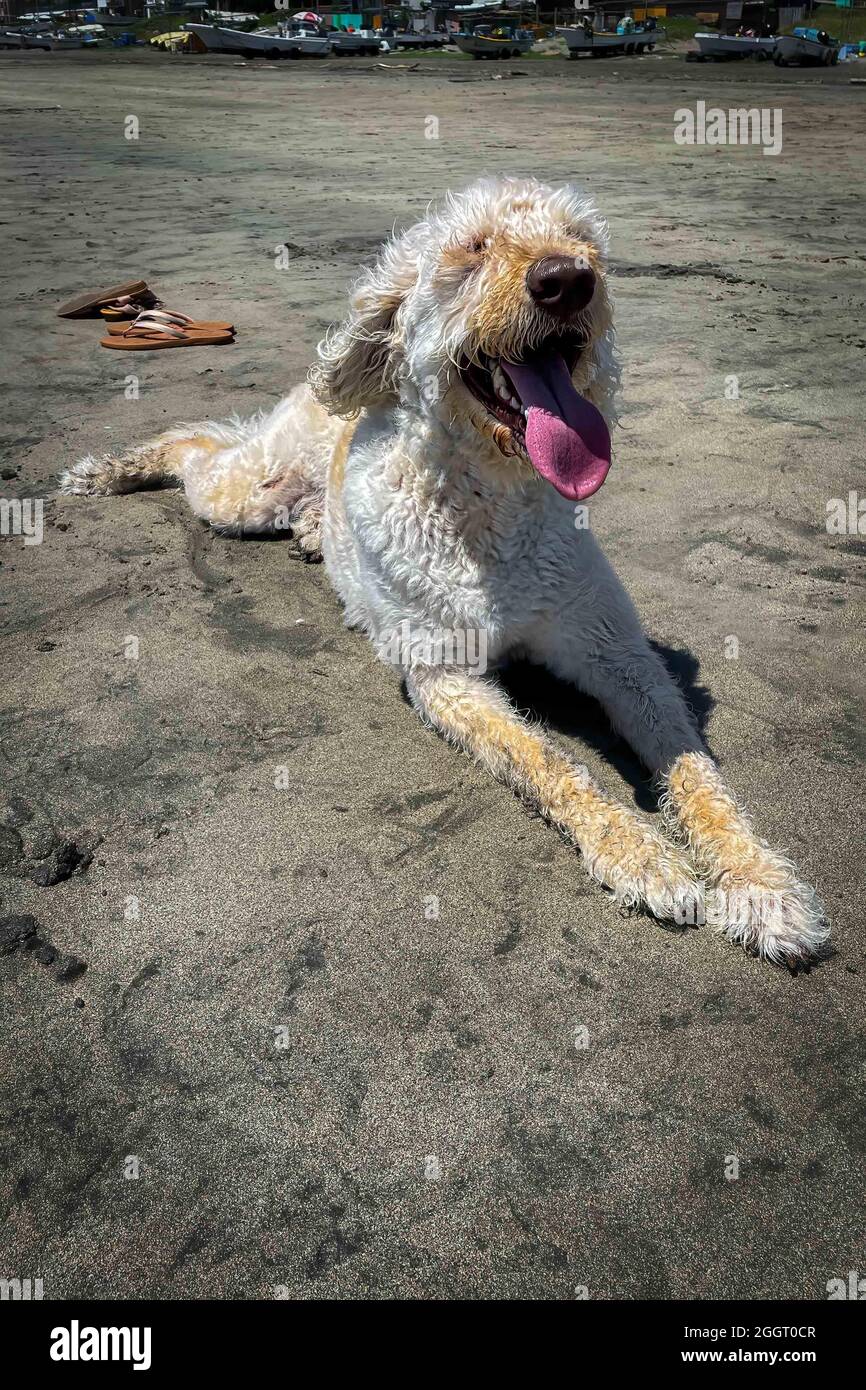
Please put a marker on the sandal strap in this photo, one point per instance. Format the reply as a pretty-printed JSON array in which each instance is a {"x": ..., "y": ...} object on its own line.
[
  {"x": 169, "y": 316},
  {"x": 143, "y": 300},
  {"x": 147, "y": 324}
]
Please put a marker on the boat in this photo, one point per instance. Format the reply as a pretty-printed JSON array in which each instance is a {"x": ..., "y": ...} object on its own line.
[
  {"x": 806, "y": 46},
  {"x": 233, "y": 18},
  {"x": 719, "y": 47},
  {"x": 48, "y": 39},
  {"x": 71, "y": 38},
  {"x": 314, "y": 43},
  {"x": 494, "y": 41},
  {"x": 276, "y": 41},
  {"x": 362, "y": 41},
  {"x": 36, "y": 36},
  {"x": 43, "y": 36},
  {"x": 409, "y": 39},
  {"x": 174, "y": 41},
  {"x": 584, "y": 41}
]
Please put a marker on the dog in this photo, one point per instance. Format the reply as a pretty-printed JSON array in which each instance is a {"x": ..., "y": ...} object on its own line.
[{"x": 434, "y": 459}]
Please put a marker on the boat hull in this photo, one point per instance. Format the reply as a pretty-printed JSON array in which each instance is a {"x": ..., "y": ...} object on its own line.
[
  {"x": 790, "y": 48},
  {"x": 418, "y": 40},
  {"x": 256, "y": 45},
  {"x": 581, "y": 45},
  {"x": 729, "y": 46},
  {"x": 485, "y": 46},
  {"x": 354, "y": 44}
]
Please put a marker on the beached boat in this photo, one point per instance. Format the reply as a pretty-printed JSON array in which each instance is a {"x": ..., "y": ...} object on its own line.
[
  {"x": 70, "y": 39},
  {"x": 806, "y": 46},
  {"x": 495, "y": 41},
  {"x": 272, "y": 42},
  {"x": 724, "y": 46},
  {"x": 174, "y": 40},
  {"x": 409, "y": 39},
  {"x": 36, "y": 41},
  {"x": 354, "y": 42},
  {"x": 10, "y": 38},
  {"x": 583, "y": 41}
]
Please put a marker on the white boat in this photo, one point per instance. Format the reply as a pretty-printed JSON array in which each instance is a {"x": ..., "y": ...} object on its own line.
[
  {"x": 314, "y": 44},
  {"x": 586, "y": 42},
  {"x": 359, "y": 41},
  {"x": 261, "y": 43},
  {"x": 720, "y": 46},
  {"x": 10, "y": 38},
  {"x": 495, "y": 41},
  {"x": 806, "y": 46}
]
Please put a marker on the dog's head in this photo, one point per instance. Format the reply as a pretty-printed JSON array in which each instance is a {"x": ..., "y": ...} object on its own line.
[{"x": 492, "y": 314}]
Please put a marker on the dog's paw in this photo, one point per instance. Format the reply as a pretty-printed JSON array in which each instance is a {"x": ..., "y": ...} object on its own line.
[
  {"x": 643, "y": 869},
  {"x": 89, "y": 477},
  {"x": 770, "y": 913}
]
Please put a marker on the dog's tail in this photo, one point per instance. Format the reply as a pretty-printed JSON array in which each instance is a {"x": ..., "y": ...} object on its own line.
[{"x": 263, "y": 474}]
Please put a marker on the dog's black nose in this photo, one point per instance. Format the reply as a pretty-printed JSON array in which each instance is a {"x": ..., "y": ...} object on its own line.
[{"x": 560, "y": 285}]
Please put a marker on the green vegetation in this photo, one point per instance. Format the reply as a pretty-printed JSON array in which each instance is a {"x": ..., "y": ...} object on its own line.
[{"x": 847, "y": 25}]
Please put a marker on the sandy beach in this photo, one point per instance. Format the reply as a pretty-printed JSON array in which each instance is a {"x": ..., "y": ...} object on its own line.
[{"x": 241, "y": 1056}]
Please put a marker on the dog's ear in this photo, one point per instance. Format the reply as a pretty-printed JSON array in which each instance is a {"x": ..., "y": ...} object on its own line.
[{"x": 359, "y": 360}]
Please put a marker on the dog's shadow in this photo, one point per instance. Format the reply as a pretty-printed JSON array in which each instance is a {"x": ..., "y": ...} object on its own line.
[{"x": 565, "y": 709}]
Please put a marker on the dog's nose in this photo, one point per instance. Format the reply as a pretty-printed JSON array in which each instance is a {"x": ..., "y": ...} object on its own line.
[{"x": 561, "y": 285}]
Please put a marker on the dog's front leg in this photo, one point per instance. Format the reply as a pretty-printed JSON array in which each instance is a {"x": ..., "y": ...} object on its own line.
[
  {"x": 758, "y": 899},
  {"x": 621, "y": 850}
]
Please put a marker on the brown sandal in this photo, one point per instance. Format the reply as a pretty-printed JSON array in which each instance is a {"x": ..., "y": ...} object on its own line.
[
  {"x": 147, "y": 334},
  {"x": 176, "y": 320},
  {"x": 91, "y": 300},
  {"x": 129, "y": 306}
]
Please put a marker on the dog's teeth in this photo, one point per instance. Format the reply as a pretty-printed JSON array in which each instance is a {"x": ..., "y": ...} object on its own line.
[{"x": 502, "y": 387}]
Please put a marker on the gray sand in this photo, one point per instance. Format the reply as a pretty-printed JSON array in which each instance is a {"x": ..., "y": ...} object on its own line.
[{"x": 328, "y": 1089}]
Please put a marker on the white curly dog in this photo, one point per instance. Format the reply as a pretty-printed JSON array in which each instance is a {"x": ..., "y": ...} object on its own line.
[{"x": 449, "y": 427}]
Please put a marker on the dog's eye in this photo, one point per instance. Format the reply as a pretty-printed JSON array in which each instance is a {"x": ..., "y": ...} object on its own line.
[{"x": 464, "y": 254}]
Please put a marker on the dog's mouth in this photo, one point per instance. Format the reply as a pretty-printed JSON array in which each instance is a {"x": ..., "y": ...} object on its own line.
[{"x": 564, "y": 436}]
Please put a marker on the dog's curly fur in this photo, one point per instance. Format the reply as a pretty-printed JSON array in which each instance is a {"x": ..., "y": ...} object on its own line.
[{"x": 431, "y": 520}]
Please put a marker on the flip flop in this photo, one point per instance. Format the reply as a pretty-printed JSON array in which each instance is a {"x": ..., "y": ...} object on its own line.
[
  {"x": 86, "y": 303},
  {"x": 177, "y": 320},
  {"x": 129, "y": 306},
  {"x": 145, "y": 335}
]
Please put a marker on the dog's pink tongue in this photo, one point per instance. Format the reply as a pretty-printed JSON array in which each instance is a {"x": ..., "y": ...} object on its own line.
[{"x": 567, "y": 439}]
